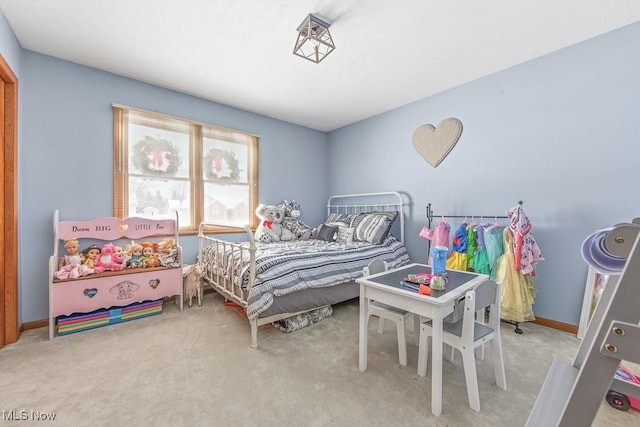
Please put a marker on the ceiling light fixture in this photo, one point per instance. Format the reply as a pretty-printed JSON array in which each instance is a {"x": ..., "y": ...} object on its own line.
[{"x": 314, "y": 40}]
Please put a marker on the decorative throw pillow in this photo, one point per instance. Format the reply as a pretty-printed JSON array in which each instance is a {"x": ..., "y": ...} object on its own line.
[
  {"x": 345, "y": 234},
  {"x": 327, "y": 233},
  {"x": 341, "y": 217},
  {"x": 337, "y": 224},
  {"x": 373, "y": 227}
]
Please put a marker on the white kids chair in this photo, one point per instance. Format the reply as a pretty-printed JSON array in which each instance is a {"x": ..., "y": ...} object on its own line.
[
  {"x": 387, "y": 312},
  {"x": 467, "y": 334}
]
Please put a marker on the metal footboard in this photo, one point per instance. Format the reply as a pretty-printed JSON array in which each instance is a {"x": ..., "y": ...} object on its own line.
[{"x": 226, "y": 261}]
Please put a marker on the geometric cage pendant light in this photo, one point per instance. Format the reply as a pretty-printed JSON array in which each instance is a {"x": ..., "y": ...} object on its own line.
[{"x": 314, "y": 40}]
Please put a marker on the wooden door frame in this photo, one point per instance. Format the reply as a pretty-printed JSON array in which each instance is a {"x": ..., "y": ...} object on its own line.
[{"x": 9, "y": 211}]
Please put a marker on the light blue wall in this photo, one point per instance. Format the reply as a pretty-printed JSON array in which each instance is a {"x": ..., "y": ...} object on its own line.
[
  {"x": 560, "y": 133},
  {"x": 67, "y": 156}
]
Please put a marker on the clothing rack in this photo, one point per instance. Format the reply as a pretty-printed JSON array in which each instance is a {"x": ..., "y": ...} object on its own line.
[{"x": 431, "y": 215}]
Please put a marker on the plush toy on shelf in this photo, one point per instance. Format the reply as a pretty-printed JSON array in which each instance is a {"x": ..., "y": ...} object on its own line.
[
  {"x": 270, "y": 228},
  {"x": 108, "y": 260},
  {"x": 292, "y": 221}
]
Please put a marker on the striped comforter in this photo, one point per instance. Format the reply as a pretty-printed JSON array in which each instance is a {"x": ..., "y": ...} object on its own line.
[{"x": 286, "y": 267}]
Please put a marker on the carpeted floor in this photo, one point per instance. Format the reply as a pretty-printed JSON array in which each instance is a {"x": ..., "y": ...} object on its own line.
[{"x": 195, "y": 368}]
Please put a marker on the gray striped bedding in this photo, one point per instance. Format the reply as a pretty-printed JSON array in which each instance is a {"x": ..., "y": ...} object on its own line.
[{"x": 286, "y": 267}]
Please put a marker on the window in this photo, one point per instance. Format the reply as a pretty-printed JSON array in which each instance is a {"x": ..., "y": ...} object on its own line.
[{"x": 165, "y": 164}]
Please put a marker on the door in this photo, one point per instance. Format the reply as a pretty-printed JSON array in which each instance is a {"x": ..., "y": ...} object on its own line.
[{"x": 8, "y": 205}]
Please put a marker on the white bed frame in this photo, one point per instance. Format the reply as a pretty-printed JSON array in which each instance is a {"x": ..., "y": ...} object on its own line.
[{"x": 225, "y": 286}]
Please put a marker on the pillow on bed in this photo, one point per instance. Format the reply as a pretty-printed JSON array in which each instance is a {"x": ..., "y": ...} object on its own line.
[
  {"x": 327, "y": 233},
  {"x": 345, "y": 218},
  {"x": 337, "y": 224},
  {"x": 373, "y": 227},
  {"x": 345, "y": 234}
]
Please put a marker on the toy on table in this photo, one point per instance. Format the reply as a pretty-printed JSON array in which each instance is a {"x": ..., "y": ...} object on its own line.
[
  {"x": 438, "y": 283},
  {"x": 420, "y": 278},
  {"x": 426, "y": 282},
  {"x": 420, "y": 288}
]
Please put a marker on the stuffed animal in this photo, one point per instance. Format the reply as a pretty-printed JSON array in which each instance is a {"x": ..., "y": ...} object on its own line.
[
  {"x": 270, "y": 228},
  {"x": 193, "y": 275},
  {"x": 154, "y": 260},
  {"x": 108, "y": 260},
  {"x": 292, "y": 221}
]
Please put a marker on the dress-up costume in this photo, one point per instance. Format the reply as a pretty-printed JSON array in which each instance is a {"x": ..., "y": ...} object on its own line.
[
  {"x": 493, "y": 242},
  {"x": 438, "y": 236},
  {"x": 525, "y": 249},
  {"x": 481, "y": 259},
  {"x": 515, "y": 271},
  {"x": 458, "y": 258},
  {"x": 472, "y": 246}
]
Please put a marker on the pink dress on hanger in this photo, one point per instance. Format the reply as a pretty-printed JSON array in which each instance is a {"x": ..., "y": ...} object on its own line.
[
  {"x": 438, "y": 236},
  {"x": 525, "y": 249}
]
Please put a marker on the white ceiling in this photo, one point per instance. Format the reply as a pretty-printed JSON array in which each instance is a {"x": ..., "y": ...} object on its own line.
[{"x": 239, "y": 53}]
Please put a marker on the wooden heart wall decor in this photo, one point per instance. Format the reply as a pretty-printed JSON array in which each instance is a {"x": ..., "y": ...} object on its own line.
[{"x": 435, "y": 143}]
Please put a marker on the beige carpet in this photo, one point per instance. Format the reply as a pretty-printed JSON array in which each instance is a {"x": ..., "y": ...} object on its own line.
[{"x": 195, "y": 368}]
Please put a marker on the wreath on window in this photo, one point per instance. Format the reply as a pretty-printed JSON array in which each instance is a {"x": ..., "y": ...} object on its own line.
[
  {"x": 221, "y": 165},
  {"x": 156, "y": 156}
]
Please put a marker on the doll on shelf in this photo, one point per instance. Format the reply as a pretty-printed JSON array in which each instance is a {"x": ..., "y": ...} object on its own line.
[
  {"x": 71, "y": 265},
  {"x": 148, "y": 249},
  {"x": 90, "y": 255},
  {"x": 168, "y": 252},
  {"x": 135, "y": 251},
  {"x": 123, "y": 255}
]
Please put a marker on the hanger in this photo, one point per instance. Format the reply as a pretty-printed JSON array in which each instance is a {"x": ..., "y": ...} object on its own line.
[{"x": 495, "y": 224}]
